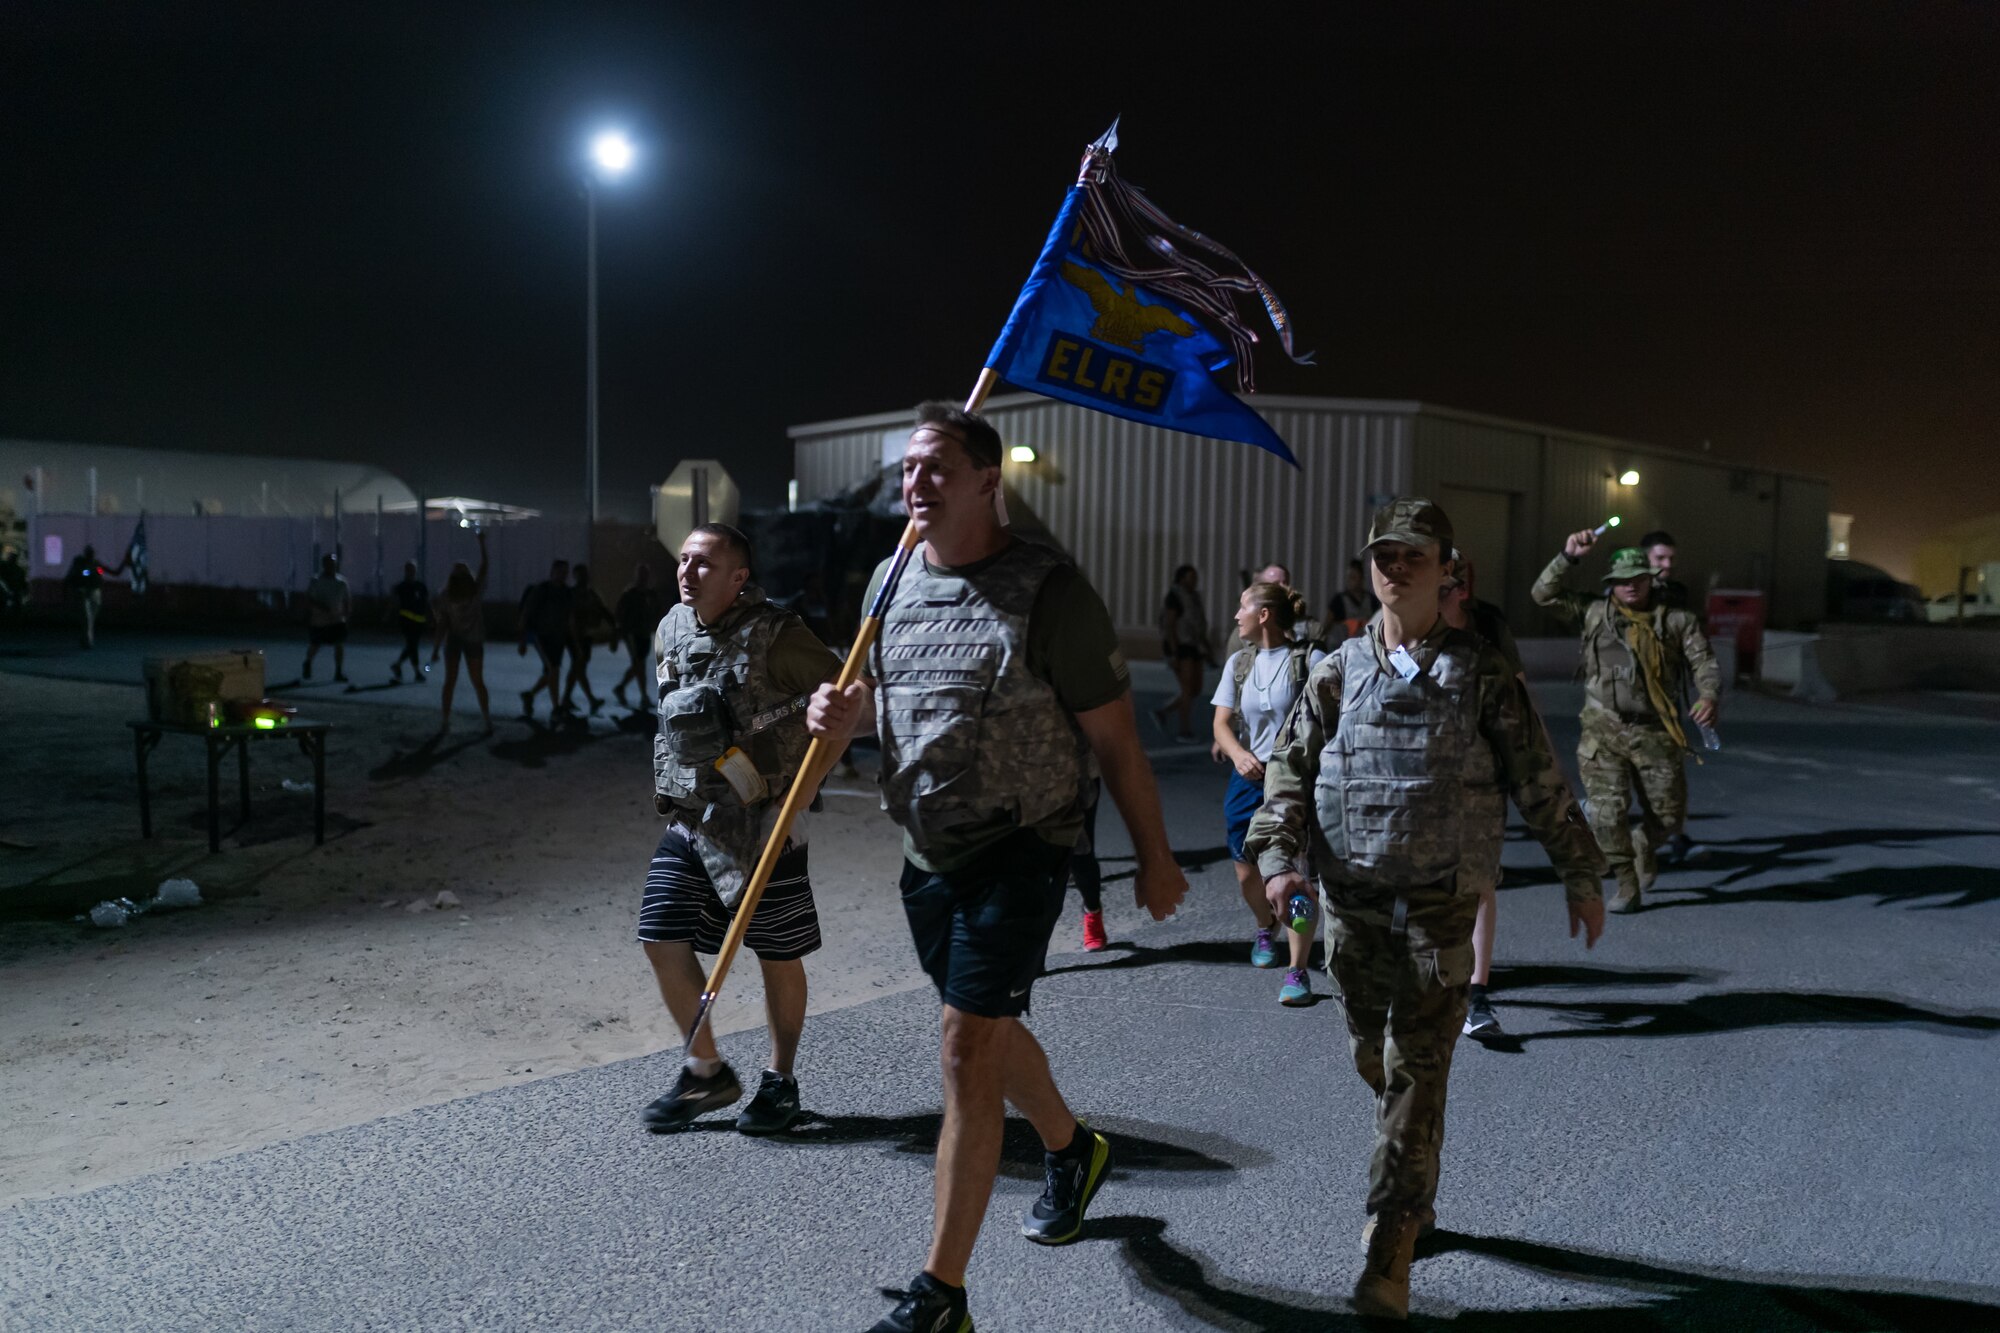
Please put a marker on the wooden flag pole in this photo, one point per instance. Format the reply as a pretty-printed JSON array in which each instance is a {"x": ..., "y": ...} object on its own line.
[{"x": 800, "y": 792}]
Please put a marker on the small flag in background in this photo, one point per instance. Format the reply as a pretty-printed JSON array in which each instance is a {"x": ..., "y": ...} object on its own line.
[{"x": 1145, "y": 343}]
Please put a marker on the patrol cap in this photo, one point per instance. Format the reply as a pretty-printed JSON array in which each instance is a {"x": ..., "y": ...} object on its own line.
[
  {"x": 1628, "y": 562},
  {"x": 1413, "y": 520}
]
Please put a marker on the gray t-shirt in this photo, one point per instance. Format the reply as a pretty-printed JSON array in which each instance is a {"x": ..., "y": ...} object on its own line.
[{"x": 1267, "y": 698}]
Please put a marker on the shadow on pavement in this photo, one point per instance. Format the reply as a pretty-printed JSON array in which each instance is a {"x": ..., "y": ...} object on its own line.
[
  {"x": 429, "y": 753},
  {"x": 1956, "y": 885},
  {"x": 1745, "y": 858},
  {"x": 1136, "y": 1145},
  {"x": 1694, "y": 1298},
  {"x": 544, "y": 742},
  {"x": 1660, "y": 1297},
  {"x": 1192, "y": 858},
  {"x": 1743, "y": 1011},
  {"x": 1231, "y": 953},
  {"x": 1529, "y": 976}
]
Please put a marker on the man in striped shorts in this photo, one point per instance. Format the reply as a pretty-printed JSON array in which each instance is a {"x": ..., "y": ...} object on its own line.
[{"x": 735, "y": 673}]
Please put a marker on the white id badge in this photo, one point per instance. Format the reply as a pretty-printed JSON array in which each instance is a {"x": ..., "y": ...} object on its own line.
[{"x": 1403, "y": 664}]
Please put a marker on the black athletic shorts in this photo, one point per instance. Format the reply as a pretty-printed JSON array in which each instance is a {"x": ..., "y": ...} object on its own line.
[
  {"x": 682, "y": 906},
  {"x": 326, "y": 636},
  {"x": 982, "y": 932}
]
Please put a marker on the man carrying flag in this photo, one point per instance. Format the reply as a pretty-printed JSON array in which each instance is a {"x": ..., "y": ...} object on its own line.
[
  {"x": 996, "y": 683},
  {"x": 997, "y": 687}
]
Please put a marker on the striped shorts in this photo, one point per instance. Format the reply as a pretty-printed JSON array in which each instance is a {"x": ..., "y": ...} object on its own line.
[{"x": 681, "y": 905}]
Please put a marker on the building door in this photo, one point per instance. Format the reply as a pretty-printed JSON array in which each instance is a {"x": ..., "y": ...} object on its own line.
[{"x": 1483, "y": 523}]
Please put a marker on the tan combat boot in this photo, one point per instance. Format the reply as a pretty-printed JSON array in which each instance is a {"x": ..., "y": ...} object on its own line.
[
  {"x": 1627, "y": 899},
  {"x": 1383, "y": 1289},
  {"x": 1427, "y": 1222}
]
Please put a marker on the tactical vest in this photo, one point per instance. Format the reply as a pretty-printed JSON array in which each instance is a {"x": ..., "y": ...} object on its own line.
[
  {"x": 1408, "y": 792},
  {"x": 723, "y": 696},
  {"x": 968, "y": 731},
  {"x": 1610, "y": 675}
]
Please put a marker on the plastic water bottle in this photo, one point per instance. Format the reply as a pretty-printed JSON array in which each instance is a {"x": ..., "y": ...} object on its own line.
[
  {"x": 1300, "y": 910},
  {"x": 1709, "y": 739}
]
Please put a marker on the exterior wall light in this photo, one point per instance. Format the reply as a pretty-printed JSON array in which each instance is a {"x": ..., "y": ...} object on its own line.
[
  {"x": 1022, "y": 453},
  {"x": 1629, "y": 477}
]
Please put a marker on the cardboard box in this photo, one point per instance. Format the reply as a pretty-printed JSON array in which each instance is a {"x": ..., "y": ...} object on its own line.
[{"x": 180, "y": 689}]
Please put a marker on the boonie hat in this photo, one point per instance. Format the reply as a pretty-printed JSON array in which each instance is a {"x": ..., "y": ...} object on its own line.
[
  {"x": 1413, "y": 520},
  {"x": 1628, "y": 562}
]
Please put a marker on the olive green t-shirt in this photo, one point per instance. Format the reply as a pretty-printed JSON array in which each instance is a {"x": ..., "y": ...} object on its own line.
[{"x": 1073, "y": 646}]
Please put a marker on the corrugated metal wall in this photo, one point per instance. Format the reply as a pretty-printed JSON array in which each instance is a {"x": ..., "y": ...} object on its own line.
[{"x": 1132, "y": 502}]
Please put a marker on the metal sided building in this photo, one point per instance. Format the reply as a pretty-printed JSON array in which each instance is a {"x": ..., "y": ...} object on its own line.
[{"x": 1131, "y": 502}]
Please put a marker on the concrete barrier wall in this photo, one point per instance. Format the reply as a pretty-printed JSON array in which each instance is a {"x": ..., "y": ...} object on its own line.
[{"x": 1846, "y": 660}]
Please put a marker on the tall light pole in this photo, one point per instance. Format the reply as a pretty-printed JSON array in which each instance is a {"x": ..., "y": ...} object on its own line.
[{"x": 611, "y": 154}]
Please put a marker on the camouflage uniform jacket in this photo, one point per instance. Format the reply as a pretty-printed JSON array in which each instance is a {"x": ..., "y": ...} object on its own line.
[
  {"x": 1289, "y": 827},
  {"x": 1610, "y": 676}
]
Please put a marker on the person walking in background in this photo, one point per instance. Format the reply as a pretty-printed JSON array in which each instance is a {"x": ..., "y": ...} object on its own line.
[
  {"x": 638, "y": 614},
  {"x": 1353, "y": 606},
  {"x": 1391, "y": 780},
  {"x": 544, "y": 625},
  {"x": 458, "y": 619},
  {"x": 1305, "y": 630},
  {"x": 1462, "y": 610},
  {"x": 1661, "y": 551},
  {"x": 1638, "y": 657},
  {"x": 1088, "y": 875},
  {"x": 1186, "y": 644},
  {"x": 412, "y": 602},
  {"x": 588, "y": 617},
  {"x": 329, "y": 603},
  {"x": 85, "y": 585},
  {"x": 1258, "y": 688}
]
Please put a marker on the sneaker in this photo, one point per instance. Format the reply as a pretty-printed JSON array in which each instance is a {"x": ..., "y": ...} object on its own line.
[
  {"x": 1628, "y": 899},
  {"x": 774, "y": 1108},
  {"x": 1094, "y": 937},
  {"x": 1297, "y": 991},
  {"x": 1480, "y": 1021},
  {"x": 690, "y": 1096},
  {"x": 929, "y": 1306},
  {"x": 1263, "y": 953},
  {"x": 1072, "y": 1179}
]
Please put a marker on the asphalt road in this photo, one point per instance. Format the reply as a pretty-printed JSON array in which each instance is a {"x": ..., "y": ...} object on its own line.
[{"x": 1766, "y": 1102}]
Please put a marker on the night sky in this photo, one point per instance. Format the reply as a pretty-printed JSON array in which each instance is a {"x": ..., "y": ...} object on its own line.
[{"x": 1771, "y": 227}]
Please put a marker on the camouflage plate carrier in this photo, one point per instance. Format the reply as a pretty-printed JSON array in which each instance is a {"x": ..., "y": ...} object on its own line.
[
  {"x": 1408, "y": 792},
  {"x": 724, "y": 697},
  {"x": 968, "y": 731}
]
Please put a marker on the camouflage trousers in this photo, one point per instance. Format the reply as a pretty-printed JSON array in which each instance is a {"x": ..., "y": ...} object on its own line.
[
  {"x": 1619, "y": 759},
  {"x": 1403, "y": 986}
]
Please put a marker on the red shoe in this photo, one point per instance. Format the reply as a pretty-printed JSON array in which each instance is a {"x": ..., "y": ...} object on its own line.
[{"x": 1093, "y": 932}]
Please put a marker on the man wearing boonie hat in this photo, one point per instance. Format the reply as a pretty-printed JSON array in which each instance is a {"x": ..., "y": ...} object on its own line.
[
  {"x": 1638, "y": 656},
  {"x": 1391, "y": 778}
]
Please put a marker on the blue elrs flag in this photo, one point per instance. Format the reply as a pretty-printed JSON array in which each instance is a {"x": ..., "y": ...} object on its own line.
[{"x": 1080, "y": 334}]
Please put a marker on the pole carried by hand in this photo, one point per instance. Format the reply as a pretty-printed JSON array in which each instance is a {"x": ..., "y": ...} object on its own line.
[
  {"x": 800, "y": 793},
  {"x": 1611, "y": 522}
]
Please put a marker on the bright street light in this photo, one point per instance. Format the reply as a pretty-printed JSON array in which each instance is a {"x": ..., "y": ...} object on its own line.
[{"x": 612, "y": 152}]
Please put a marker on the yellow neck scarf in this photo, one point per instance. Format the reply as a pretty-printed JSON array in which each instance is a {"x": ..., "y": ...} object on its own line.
[{"x": 1651, "y": 655}]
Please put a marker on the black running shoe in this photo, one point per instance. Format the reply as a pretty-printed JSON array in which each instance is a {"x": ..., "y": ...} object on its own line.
[
  {"x": 928, "y": 1307},
  {"x": 1480, "y": 1020},
  {"x": 1073, "y": 1177},
  {"x": 774, "y": 1108},
  {"x": 690, "y": 1096}
]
